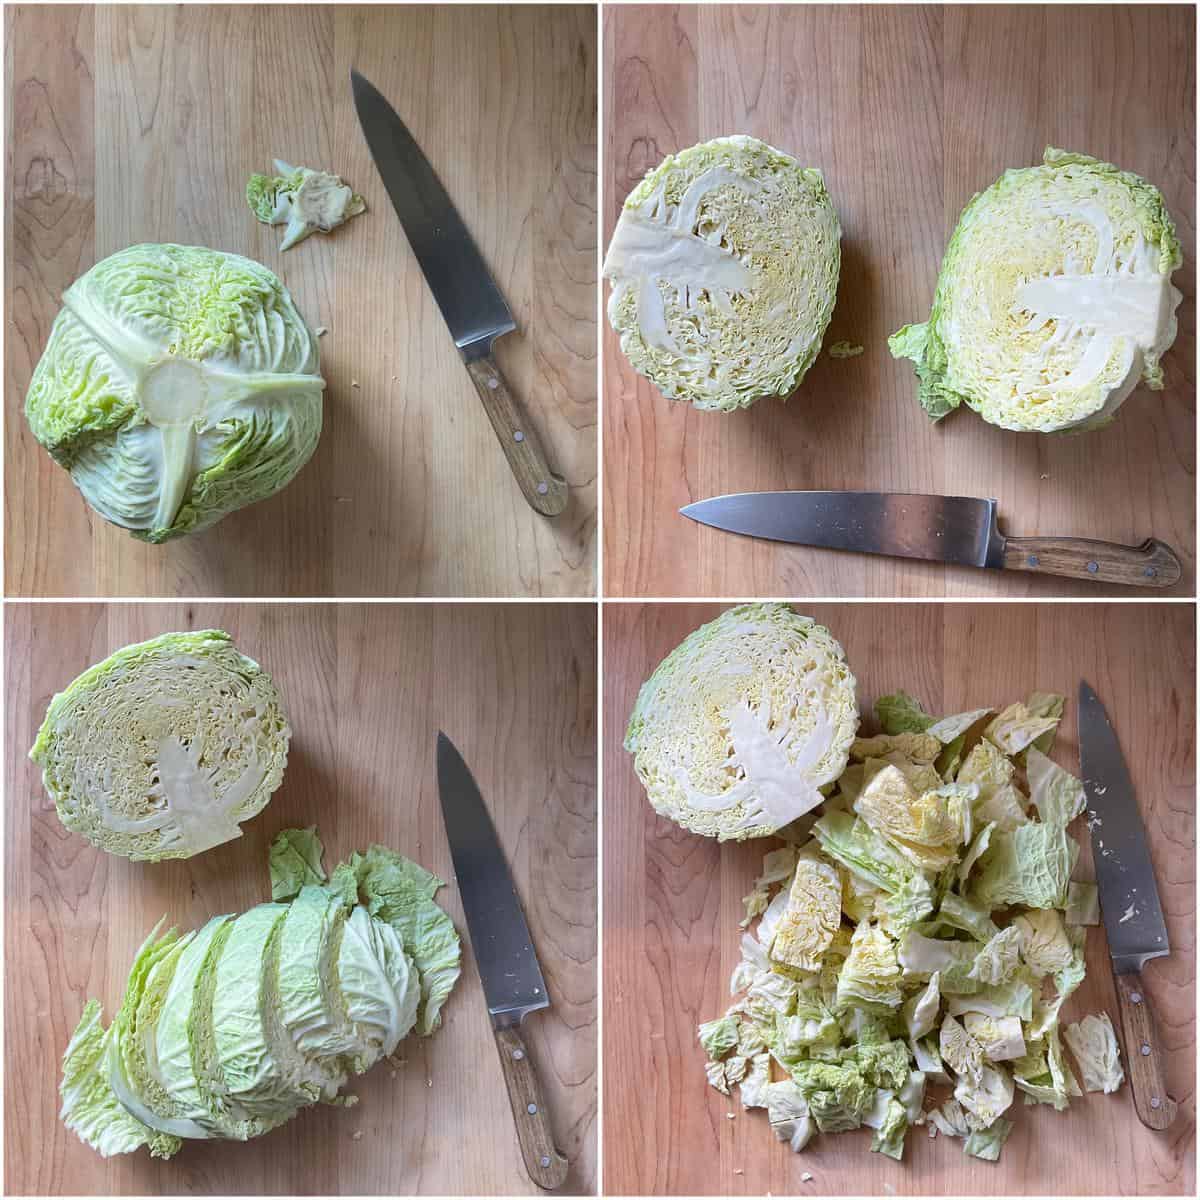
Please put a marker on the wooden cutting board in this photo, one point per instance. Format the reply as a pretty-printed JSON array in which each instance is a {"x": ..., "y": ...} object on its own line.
[
  {"x": 141, "y": 124},
  {"x": 366, "y": 688},
  {"x": 909, "y": 111},
  {"x": 672, "y": 903}
]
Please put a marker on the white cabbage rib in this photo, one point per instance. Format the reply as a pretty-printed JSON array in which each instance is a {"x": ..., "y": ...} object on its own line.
[
  {"x": 724, "y": 265},
  {"x": 739, "y": 727},
  {"x": 164, "y": 748}
]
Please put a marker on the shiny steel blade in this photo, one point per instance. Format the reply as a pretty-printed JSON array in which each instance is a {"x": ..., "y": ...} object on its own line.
[
  {"x": 463, "y": 287},
  {"x": 508, "y": 965},
  {"x": 953, "y": 529},
  {"x": 1129, "y": 901}
]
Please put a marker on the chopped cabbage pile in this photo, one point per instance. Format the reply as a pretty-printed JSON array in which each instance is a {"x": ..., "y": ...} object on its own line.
[
  {"x": 724, "y": 268},
  {"x": 228, "y": 1031},
  {"x": 304, "y": 200},
  {"x": 178, "y": 384},
  {"x": 742, "y": 725},
  {"x": 162, "y": 749},
  {"x": 915, "y": 941},
  {"x": 1054, "y": 299}
]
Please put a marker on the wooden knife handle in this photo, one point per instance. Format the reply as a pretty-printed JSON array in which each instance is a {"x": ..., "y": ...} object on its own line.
[
  {"x": 547, "y": 1168},
  {"x": 1152, "y": 564},
  {"x": 1143, "y": 1054},
  {"x": 545, "y": 491}
]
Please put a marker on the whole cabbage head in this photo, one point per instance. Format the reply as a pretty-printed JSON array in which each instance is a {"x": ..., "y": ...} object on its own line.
[
  {"x": 742, "y": 724},
  {"x": 724, "y": 265},
  {"x": 163, "y": 748},
  {"x": 1054, "y": 299},
  {"x": 178, "y": 384}
]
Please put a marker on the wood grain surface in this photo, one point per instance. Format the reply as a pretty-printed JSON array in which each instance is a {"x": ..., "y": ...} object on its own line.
[
  {"x": 672, "y": 903},
  {"x": 143, "y": 123},
  {"x": 367, "y": 687},
  {"x": 908, "y": 110}
]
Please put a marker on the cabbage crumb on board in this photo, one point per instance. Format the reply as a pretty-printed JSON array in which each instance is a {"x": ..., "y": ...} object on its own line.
[
  {"x": 178, "y": 384},
  {"x": 911, "y": 959},
  {"x": 165, "y": 747},
  {"x": 303, "y": 200},
  {"x": 724, "y": 268},
  {"x": 741, "y": 726},
  {"x": 1054, "y": 299},
  {"x": 228, "y": 1031}
]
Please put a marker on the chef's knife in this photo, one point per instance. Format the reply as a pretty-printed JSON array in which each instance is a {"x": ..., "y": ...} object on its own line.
[
  {"x": 462, "y": 286},
  {"x": 1129, "y": 903},
  {"x": 508, "y": 967},
  {"x": 951, "y": 529}
]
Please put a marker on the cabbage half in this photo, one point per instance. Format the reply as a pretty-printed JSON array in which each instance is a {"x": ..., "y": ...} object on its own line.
[
  {"x": 228, "y": 1032},
  {"x": 1054, "y": 299},
  {"x": 724, "y": 266},
  {"x": 161, "y": 750},
  {"x": 178, "y": 384},
  {"x": 742, "y": 724}
]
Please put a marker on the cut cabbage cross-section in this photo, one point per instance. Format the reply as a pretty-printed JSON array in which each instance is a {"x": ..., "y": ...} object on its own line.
[
  {"x": 162, "y": 749},
  {"x": 724, "y": 265},
  {"x": 742, "y": 724},
  {"x": 1054, "y": 299}
]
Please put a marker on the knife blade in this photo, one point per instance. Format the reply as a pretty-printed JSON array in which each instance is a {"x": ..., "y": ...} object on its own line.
[
  {"x": 1129, "y": 902},
  {"x": 470, "y": 302},
  {"x": 960, "y": 530},
  {"x": 513, "y": 985}
]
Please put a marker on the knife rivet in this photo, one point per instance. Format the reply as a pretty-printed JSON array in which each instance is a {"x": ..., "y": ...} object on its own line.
[
  {"x": 518, "y": 1055},
  {"x": 531, "y": 1109},
  {"x": 518, "y": 436},
  {"x": 1145, "y": 1049},
  {"x": 1032, "y": 560},
  {"x": 1151, "y": 572},
  {"x": 543, "y": 488},
  {"x": 1093, "y": 568},
  {"x": 493, "y": 382},
  {"x": 1135, "y": 997},
  {"x": 545, "y": 1160},
  {"x": 1155, "y": 1102}
]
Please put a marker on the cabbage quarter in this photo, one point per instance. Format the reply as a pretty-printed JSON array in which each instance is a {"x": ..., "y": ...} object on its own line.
[
  {"x": 178, "y": 384},
  {"x": 724, "y": 269},
  {"x": 743, "y": 723},
  {"x": 1054, "y": 299},
  {"x": 163, "y": 748}
]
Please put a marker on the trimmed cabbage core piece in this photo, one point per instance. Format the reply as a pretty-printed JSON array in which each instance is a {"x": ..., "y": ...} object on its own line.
[
  {"x": 724, "y": 265},
  {"x": 162, "y": 749},
  {"x": 304, "y": 200},
  {"x": 178, "y": 384},
  {"x": 742, "y": 724},
  {"x": 1054, "y": 299},
  {"x": 228, "y": 1032}
]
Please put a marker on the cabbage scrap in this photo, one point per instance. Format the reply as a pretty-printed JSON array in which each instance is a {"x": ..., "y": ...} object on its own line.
[
  {"x": 1054, "y": 299},
  {"x": 165, "y": 747},
  {"x": 304, "y": 200},
  {"x": 724, "y": 268},
  {"x": 902, "y": 949},
  {"x": 228, "y": 1032}
]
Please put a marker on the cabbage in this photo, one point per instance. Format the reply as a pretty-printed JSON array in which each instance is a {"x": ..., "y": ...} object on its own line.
[
  {"x": 228, "y": 1032},
  {"x": 898, "y": 945},
  {"x": 163, "y": 748},
  {"x": 1054, "y": 299},
  {"x": 742, "y": 724},
  {"x": 304, "y": 200},
  {"x": 1094, "y": 1044},
  {"x": 724, "y": 265},
  {"x": 178, "y": 384}
]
